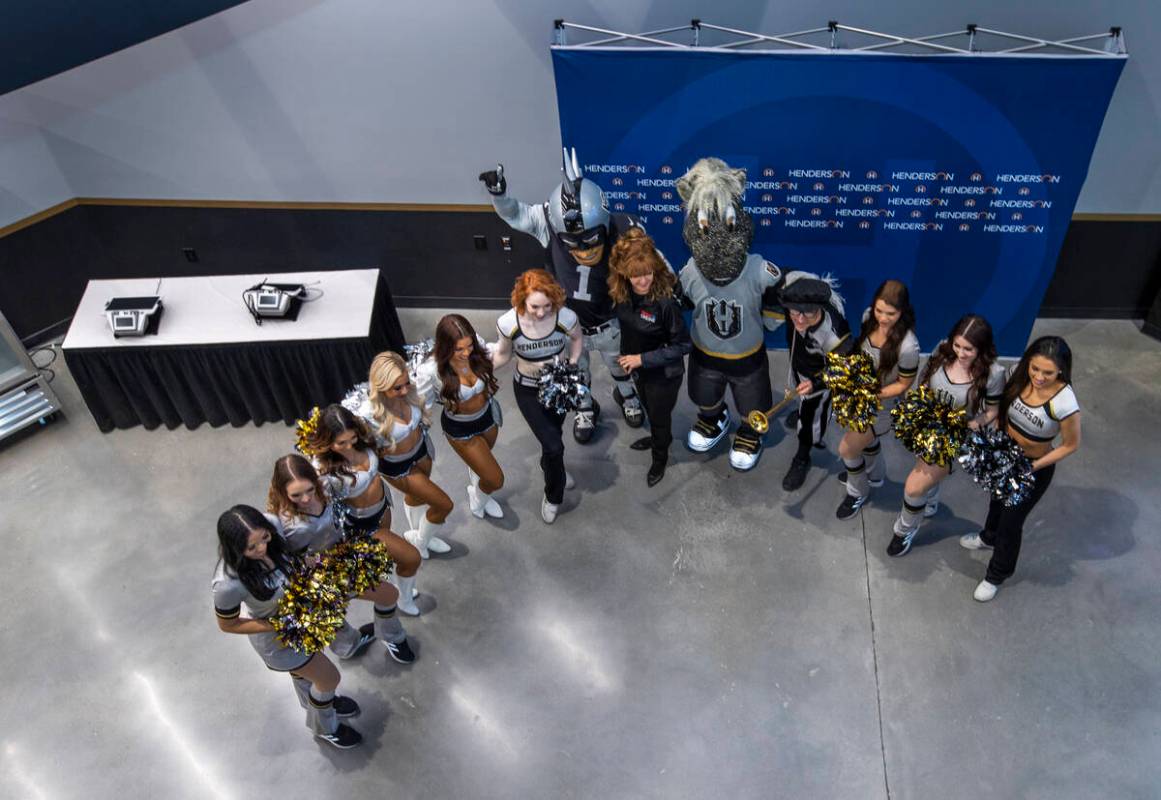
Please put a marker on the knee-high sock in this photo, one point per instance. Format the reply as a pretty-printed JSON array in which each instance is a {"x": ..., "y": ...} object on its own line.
[
  {"x": 345, "y": 640},
  {"x": 933, "y": 494},
  {"x": 320, "y": 712},
  {"x": 873, "y": 457},
  {"x": 387, "y": 625},
  {"x": 911, "y": 515},
  {"x": 302, "y": 689},
  {"x": 858, "y": 482}
]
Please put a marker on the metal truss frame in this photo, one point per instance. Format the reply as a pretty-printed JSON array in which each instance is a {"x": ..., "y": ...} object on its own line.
[{"x": 1112, "y": 43}]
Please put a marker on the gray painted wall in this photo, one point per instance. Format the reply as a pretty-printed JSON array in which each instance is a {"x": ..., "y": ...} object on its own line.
[{"x": 370, "y": 101}]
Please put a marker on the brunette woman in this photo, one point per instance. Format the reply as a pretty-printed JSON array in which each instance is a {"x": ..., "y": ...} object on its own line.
[
  {"x": 888, "y": 337},
  {"x": 1039, "y": 407},
  {"x": 654, "y": 339},
  {"x": 460, "y": 375},
  {"x": 962, "y": 368},
  {"x": 253, "y": 570},
  {"x": 301, "y": 498},
  {"x": 538, "y": 328}
]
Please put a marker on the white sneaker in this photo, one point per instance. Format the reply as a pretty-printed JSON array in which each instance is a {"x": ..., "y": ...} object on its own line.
[
  {"x": 972, "y": 541},
  {"x": 985, "y": 591},
  {"x": 548, "y": 511},
  {"x": 569, "y": 483},
  {"x": 931, "y": 509},
  {"x": 704, "y": 435}
]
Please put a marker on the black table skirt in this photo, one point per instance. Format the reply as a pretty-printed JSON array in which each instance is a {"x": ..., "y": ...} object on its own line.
[{"x": 232, "y": 383}]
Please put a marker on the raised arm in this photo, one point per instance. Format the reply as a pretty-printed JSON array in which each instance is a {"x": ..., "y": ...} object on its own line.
[{"x": 519, "y": 216}]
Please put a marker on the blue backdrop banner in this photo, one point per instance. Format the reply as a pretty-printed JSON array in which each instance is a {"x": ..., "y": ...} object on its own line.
[{"x": 955, "y": 174}]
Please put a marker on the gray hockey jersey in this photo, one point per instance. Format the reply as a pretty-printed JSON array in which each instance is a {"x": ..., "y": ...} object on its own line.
[{"x": 728, "y": 320}]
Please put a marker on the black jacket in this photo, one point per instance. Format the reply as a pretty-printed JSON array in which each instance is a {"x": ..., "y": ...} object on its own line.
[
  {"x": 808, "y": 351},
  {"x": 655, "y": 330}
]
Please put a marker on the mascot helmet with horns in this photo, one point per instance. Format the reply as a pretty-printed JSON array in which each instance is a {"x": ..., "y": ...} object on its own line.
[{"x": 578, "y": 210}]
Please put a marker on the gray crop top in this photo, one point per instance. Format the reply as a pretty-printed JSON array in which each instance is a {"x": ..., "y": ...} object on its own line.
[
  {"x": 1042, "y": 423},
  {"x": 537, "y": 350},
  {"x": 306, "y": 533},
  {"x": 959, "y": 391},
  {"x": 906, "y": 366},
  {"x": 231, "y": 597}
]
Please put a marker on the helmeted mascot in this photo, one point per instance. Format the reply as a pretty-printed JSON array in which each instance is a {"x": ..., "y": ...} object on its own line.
[
  {"x": 734, "y": 297},
  {"x": 578, "y": 233}
]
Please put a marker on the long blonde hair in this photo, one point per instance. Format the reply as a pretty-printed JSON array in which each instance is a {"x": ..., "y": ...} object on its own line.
[{"x": 385, "y": 371}]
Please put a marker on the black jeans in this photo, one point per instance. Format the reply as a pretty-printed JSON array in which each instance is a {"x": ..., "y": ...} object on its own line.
[
  {"x": 546, "y": 427},
  {"x": 1004, "y": 529},
  {"x": 813, "y": 413},
  {"x": 659, "y": 396}
]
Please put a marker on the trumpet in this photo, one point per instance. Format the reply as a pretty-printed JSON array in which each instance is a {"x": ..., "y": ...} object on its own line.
[{"x": 760, "y": 420}]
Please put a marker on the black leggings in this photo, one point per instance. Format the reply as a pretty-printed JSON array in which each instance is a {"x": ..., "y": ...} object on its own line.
[
  {"x": 659, "y": 395},
  {"x": 1004, "y": 529},
  {"x": 546, "y": 427}
]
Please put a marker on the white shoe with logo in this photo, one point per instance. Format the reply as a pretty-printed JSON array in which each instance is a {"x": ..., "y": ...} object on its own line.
[{"x": 704, "y": 435}]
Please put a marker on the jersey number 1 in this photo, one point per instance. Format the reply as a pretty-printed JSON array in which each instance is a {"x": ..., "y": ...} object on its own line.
[{"x": 582, "y": 284}]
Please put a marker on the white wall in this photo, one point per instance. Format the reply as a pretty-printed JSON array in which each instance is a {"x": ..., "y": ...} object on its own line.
[
  {"x": 30, "y": 180},
  {"x": 368, "y": 100}
]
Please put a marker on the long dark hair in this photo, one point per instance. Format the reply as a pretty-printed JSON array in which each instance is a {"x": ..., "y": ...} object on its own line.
[
  {"x": 334, "y": 421},
  {"x": 234, "y": 528},
  {"x": 450, "y": 330},
  {"x": 894, "y": 293},
  {"x": 1051, "y": 347},
  {"x": 976, "y": 330}
]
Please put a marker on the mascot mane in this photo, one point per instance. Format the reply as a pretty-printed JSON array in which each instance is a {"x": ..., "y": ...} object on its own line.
[{"x": 711, "y": 186}]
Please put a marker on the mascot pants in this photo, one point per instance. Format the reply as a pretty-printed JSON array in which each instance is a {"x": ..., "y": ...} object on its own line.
[
  {"x": 748, "y": 379},
  {"x": 606, "y": 340}
]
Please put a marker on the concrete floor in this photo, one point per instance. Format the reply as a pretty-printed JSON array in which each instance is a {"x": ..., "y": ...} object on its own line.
[{"x": 713, "y": 636}]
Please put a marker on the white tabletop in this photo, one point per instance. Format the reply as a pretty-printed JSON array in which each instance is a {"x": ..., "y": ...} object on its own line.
[{"x": 209, "y": 310}]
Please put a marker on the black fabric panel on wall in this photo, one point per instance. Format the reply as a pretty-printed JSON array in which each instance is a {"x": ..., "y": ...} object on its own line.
[{"x": 1106, "y": 268}]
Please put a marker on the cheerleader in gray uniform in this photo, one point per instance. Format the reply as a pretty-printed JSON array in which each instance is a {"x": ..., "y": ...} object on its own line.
[
  {"x": 460, "y": 376},
  {"x": 888, "y": 337},
  {"x": 963, "y": 368},
  {"x": 538, "y": 328},
  {"x": 252, "y": 572},
  {"x": 343, "y": 449},
  {"x": 1038, "y": 406},
  {"x": 300, "y": 510},
  {"x": 399, "y": 419}
]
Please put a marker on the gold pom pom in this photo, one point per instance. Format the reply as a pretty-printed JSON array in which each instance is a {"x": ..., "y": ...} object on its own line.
[
  {"x": 854, "y": 386},
  {"x": 305, "y": 431}
]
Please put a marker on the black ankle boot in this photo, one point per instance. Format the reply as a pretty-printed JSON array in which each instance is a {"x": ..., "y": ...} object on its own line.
[{"x": 656, "y": 470}]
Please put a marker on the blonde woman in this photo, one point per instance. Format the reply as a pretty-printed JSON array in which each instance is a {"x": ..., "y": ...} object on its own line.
[{"x": 400, "y": 421}]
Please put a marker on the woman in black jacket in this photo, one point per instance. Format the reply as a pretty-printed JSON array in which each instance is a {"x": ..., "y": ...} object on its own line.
[{"x": 654, "y": 339}]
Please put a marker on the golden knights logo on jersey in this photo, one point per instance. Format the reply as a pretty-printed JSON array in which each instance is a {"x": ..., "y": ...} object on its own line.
[{"x": 723, "y": 317}]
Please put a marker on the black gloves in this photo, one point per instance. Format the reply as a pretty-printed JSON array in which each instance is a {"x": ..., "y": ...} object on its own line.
[{"x": 493, "y": 180}]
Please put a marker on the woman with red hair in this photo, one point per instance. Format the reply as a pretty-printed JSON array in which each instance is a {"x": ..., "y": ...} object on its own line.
[{"x": 537, "y": 329}]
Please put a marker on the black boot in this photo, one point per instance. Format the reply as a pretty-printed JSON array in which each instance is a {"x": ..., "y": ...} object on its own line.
[
  {"x": 644, "y": 443},
  {"x": 657, "y": 469}
]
